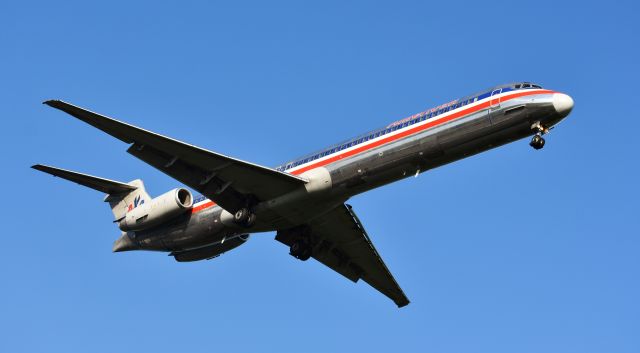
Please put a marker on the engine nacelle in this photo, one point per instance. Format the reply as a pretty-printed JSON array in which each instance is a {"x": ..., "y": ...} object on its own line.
[{"x": 159, "y": 210}]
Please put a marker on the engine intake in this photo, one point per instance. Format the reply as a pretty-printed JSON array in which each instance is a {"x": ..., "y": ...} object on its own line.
[{"x": 161, "y": 209}]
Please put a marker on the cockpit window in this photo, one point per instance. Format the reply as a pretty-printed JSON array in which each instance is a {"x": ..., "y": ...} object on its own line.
[
  {"x": 518, "y": 86},
  {"x": 535, "y": 86},
  {"x": 526, "y": 85}
]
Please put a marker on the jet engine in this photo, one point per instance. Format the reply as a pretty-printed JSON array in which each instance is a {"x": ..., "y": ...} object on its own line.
[{"x": 157, "y": 211}]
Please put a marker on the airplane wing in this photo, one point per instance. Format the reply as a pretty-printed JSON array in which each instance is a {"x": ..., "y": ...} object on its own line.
[
  {"x": 342, "y": 244},
  {"x": 230, "y": 182}
]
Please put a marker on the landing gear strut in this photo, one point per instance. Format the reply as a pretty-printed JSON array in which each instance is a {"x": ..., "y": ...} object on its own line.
[
  {"x": 301, "y": 249},
  {"x": 244, "y": 217},
  {"x": 537, "y": 141}
]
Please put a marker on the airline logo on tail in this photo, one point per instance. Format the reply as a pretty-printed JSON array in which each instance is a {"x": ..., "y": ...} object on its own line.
[{"x": 136, "y": 202}]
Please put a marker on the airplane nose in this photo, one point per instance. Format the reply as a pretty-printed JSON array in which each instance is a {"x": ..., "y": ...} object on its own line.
[{"x": 562, "y": 103}]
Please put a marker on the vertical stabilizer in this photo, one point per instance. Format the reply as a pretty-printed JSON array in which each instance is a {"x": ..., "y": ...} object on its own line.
[{"x": 123, "y": 202}]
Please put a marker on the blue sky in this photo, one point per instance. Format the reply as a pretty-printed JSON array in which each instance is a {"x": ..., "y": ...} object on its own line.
[{"x": 513, "y": 250}]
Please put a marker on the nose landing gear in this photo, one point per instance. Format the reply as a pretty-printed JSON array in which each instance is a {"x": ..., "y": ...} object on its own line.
[{"x": 537, "y": 141}]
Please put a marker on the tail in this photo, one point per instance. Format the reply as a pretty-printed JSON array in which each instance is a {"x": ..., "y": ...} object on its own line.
[{"x": 121, "y": 196}]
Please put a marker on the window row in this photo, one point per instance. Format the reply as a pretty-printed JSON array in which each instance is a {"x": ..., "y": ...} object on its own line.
[
  {"x": 400, "y": 125},
  {"x": 373, "y": 135}
]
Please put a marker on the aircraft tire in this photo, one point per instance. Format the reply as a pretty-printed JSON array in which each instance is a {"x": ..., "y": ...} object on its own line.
[
  {"x": 241, "y": 216},
  {"x": 537, "y": 142},
  {"x": 251, "y": 220}
]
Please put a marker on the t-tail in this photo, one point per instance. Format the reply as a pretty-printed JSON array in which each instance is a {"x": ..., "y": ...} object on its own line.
[{"x": 133, "y": 209}]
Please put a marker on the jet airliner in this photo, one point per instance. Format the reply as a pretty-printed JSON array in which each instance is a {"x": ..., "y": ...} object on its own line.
[{"x": 303, "y": 200}]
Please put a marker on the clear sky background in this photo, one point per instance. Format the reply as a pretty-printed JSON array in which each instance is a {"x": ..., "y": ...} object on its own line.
[{"x": 514, "y": 250}]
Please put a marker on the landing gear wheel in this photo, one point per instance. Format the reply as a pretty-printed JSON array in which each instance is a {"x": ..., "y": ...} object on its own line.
[
  {"x": 537, "y": 142},
  {"x": 250, "y": 220},
  {"x": 300, "y": 249},
  {"x": 241, "y": 215},
  {"x": 244, "y": 217}
]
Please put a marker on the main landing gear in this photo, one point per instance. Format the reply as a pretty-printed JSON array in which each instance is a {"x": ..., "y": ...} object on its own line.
[
  {"x": 244, "y": 217},
  {"x": 537, "y": 141},
  {"x": 301, "y": 249}
]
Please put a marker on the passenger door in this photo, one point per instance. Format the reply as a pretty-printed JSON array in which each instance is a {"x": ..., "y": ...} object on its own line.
[{"x": 494, "y": 101}]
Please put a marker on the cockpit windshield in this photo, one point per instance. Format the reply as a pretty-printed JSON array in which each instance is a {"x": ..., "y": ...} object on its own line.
[{"x": 526, "y": 85}]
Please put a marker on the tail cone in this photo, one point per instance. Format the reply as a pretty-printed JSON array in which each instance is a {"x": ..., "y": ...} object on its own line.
[{"x": 124, "y": 243}]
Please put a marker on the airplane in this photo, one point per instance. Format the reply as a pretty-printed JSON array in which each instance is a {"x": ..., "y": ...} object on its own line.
[{"x": 304, "y": 200}]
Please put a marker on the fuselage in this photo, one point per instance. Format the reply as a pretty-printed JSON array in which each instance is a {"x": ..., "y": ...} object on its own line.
[{"x": 407, "y": 147}]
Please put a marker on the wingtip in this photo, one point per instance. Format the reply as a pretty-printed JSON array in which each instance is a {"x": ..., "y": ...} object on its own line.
[
  {"x": 42, "y": 168},
  {"x": 52, "y": 102}
]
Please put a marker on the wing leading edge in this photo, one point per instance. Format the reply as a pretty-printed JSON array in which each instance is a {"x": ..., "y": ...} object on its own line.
[
  {"x": 342, "y": 244},
  {"x": 230, "y": 182}
]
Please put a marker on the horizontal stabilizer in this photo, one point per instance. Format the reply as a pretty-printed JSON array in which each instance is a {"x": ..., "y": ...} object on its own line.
[{"x": 105, "y": 185}]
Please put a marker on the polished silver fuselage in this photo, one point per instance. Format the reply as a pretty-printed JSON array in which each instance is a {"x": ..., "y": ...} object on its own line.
[{"x": 495, "y": 123}]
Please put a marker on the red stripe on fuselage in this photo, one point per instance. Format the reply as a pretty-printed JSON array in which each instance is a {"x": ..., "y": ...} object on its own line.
[
  {"x": 415, "y": 130},
  {"x": 400, "y": 135},
  {"x": 204, "y": 205}
]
